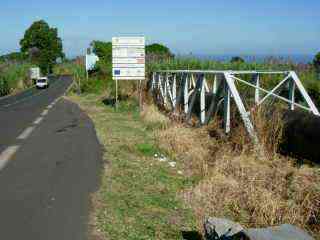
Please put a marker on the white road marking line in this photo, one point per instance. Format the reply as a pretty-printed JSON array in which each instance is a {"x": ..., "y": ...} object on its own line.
[
  {"x": 50, "y": 106},
  {"x": 6, "y": 155},
  {"x": 26, "y": 133},
  {"x": 38, "y": 120},
  {"x": 45, "y": 112}
]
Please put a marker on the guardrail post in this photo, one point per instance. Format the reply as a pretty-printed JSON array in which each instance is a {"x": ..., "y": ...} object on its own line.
[
  {"x": 257, "y": 91},
  {"x": 174, "y": 91},
  {"x": 202, "y": 100},
  {"x": 226, "y": 103},
  {"x": 215, "y": 84},
  {"x": 241, "y": 108},
  {"x": 165, "y": 90},
  {"x": 186, "y": 94},
  {"x": 153, "y": 81},
  {"x": 170, "y": 89},
  {"x": 304, "y": 93},
  {"x": 160, "y": 83}
]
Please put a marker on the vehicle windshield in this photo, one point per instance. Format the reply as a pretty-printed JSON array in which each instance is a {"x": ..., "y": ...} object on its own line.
[{"x": 42, "y": 80}]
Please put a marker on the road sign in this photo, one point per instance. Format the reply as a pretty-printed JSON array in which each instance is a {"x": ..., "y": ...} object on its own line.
[
  {"x": 91, "y": 60},
  {"x": 34, "y": 73},
  {"x": 128, "y": 58}
]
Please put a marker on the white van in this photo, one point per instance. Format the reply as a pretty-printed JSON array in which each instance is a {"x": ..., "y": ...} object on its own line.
[{"x": 42, "y": 82}]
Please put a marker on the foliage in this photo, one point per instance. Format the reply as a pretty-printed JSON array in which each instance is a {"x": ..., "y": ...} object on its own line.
[
  {"x": 42, "y": 44},
  {"x": 94, "y": 84},
  {"x": 4, "y": 86},
  {"x": 316, "y": 61},
  {"x": 13, "y": 77},
  {"x": 156, "y": 52},
  {"x": 13, "y": 57},
  {"x": 103, "y": 50},
  {"x": 159, "y": 49},
  {"x": 237, "y": 60}
]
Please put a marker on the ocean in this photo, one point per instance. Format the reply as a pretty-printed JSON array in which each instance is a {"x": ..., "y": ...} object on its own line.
[{"x": 295, "y": 58}]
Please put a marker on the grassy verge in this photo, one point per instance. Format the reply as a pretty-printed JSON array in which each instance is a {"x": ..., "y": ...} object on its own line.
[{"x": 138, "y": 198}]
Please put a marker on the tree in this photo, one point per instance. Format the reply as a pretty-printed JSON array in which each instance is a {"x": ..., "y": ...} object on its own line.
[
  {"x": 158, "y": 51},
  {"x": 237, "y": 60},
  {"x": 42, "y": 45},
  {"x": 316, "y": 61},
  {"x": 103, "y": 50}
]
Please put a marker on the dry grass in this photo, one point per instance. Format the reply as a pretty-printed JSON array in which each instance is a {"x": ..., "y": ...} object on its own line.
[
  {"x": 238, "y": 184},
  {"x": 153, "y": 118}
]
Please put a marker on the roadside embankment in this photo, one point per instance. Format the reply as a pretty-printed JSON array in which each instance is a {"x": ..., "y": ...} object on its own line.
[
  {"x": 163, "y": 178},
  {"x": 139, "y": 193},
  {"x": 236, "y": 183}
]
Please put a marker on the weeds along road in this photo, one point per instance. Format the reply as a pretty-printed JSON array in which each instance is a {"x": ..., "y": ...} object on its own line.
[{"x": 49, "y": 161}]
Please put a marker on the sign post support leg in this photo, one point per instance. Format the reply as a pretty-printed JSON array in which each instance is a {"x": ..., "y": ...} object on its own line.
[{"x": 116, "y": 103}]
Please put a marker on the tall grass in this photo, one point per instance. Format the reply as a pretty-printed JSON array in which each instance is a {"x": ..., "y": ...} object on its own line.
[
  {"x": 99, "y": 81},
  {"x": 14, "y": 77},
  {"x": 93, "y": 84},
  {"x": 236, "y": 183}
]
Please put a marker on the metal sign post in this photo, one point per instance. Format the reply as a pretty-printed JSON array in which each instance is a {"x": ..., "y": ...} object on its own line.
[
  {"x": 128, "y": 61},
  {"x": 116, "y": 103}
]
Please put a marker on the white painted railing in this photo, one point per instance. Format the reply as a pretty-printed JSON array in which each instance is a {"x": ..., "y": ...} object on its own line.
[{"x": 177, "y": 89}]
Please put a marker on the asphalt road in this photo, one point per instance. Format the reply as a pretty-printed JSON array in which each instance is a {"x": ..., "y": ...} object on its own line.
[{"x": 49, "y": 164}]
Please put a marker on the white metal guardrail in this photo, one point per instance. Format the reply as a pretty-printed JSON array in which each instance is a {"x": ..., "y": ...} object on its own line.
[{"x": 177, "y": 89}]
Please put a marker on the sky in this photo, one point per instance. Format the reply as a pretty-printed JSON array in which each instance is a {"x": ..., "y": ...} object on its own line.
[{"x": 210, "y": 27}]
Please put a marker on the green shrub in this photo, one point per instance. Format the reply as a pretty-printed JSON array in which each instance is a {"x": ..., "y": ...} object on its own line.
[
  {"x": 13, "y": 74},
  {"x": 4, "y": 87}
]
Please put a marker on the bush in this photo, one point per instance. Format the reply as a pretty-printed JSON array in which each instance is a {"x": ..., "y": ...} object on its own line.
[
  {"x": 4, "y": 87},
  {"x": 14, "y": 77}
]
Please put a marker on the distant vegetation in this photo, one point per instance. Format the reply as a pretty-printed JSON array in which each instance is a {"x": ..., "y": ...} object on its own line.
[
  {"x": 237, "y": 60},
  {"x": 156, "y": 52},
  {"x": 316, "y": 62},
  {"x": 14, "y": 57}
]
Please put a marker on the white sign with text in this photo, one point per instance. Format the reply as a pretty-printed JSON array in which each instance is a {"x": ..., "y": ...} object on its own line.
[{"x": 128, "y": 58}]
